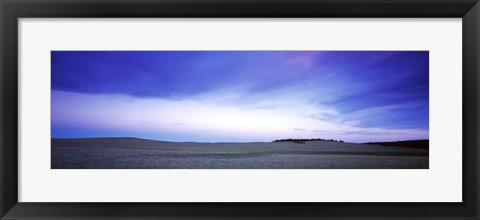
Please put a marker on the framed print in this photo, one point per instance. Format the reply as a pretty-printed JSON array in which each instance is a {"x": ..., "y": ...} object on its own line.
[
  {"x": 225, "y": 109},
  {"x": 202, "y": 118}
]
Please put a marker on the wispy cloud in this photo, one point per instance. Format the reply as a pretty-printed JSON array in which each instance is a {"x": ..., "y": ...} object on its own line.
[
  {"x": 177, "y": 124},
  {"x": 304, "y": 59},
  {"x": 206, "y": 120}
]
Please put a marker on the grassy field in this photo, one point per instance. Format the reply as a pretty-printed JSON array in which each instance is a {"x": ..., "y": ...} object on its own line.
[{"x": 133, "y": 153}]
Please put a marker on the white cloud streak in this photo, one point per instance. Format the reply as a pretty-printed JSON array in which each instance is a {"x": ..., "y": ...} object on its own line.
[{"x": 218, "y": 116}]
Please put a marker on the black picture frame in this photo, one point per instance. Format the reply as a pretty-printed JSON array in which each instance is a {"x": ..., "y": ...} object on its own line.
[{"x": 11, "y": 10}]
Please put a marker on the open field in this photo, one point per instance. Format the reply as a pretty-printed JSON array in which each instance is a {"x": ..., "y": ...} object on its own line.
[{"x": 133, "y": 153}]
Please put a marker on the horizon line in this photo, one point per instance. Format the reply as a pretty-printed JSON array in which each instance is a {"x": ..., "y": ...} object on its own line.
[{"x": 148, "y": 139}]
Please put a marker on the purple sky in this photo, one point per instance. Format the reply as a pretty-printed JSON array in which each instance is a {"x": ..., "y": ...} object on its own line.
[{"x": 241, "y": 96}]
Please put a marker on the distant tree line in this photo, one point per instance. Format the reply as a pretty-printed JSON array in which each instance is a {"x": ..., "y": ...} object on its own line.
[
  {"x": 303, "y": 140},
  {"x": 423, "y": 143}
]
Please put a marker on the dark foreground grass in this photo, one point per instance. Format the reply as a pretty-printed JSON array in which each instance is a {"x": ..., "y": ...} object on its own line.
[{"x": 131, "y": 153}]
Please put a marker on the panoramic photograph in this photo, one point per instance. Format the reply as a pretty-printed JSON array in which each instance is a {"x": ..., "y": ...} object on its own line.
[{"x": 239, "y": 109}]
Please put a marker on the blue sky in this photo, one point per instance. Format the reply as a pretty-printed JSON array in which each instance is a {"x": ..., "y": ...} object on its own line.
[{"x": 356, "y": 96}]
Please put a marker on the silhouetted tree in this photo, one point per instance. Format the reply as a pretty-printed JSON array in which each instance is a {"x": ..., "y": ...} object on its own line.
[{"x": 305, "y": 140}]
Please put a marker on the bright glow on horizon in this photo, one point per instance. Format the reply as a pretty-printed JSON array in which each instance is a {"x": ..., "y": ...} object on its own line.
[{"x": 209, "y": 120}]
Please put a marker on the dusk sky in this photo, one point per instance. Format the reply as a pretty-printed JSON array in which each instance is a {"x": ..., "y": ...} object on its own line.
[{"x": 241, "y": 96}]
